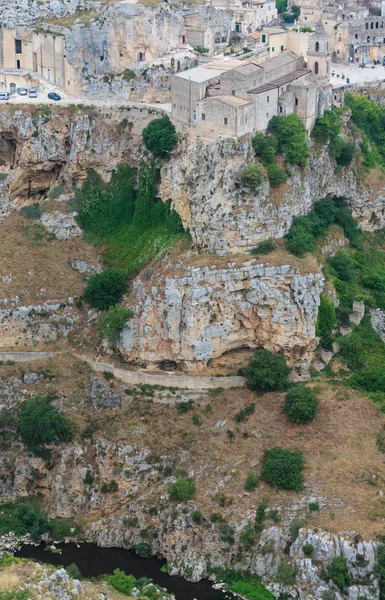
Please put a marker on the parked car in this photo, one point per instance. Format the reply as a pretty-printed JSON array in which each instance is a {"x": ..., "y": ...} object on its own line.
[
  {"x": 54, "y": 96},
  {"x": 22, "y": 91},
  {"x": 4, "y": 96},
  {"x": 32, "y": 93}
]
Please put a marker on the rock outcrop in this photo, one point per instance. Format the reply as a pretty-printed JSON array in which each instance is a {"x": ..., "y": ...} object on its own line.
[{"x": 201, "y": 313}]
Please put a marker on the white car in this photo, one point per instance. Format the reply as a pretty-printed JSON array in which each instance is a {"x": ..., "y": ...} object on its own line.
[
  {"x": 32, "y": 93},
  {"x": 22, "y": 91},
  {"x": 4, "y": 96}
]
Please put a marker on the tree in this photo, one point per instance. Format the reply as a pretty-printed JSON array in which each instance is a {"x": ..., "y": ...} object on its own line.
[
  {"x": 39, "y": 423},
  {"x": 251, "y": 177},
  {"x": 301, "y": 404},
  {"x": 105, "y": 289},
  {"x": 291, "y": 135},
  {"x": 265, "y": 147},
  {"x": 300, "y": 240},
  {"x": 266, "y": 372},
  {"x": 111, "y": 324},
  {"x": 325, "y": 209},
  {"x": 276, "y": 175},
  {"x": 338, "y": 572},
  {"x": 282, "y": 468},
  {"x": 281, "y": 5},
  {"x": 160, "y": 137},
  {"x": 343, "y": 265},
  {"x": 326, "y": 319},
  {"x": 182, "y": 490}
]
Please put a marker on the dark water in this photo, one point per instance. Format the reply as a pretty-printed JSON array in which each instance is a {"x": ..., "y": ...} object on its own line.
[{"x": 93, "y": 561}]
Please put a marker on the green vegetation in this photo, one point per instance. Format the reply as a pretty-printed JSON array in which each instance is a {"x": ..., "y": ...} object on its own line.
[
  {"x": 265, "y": 147},
  {"x": 201, "y": 49},
  {"x": 251, "y": 482},
  {"x": 328, "y": 129},
  {"x": 283, "y": 469},
  {"x": 276, "y": 175},
  {"x": 380, "y": 569},
  {"x": 109, "y": 488},
  {"x": 370, "y": 118},
  {"x": 301, "y": 404},
  {"x": 251, "y": 177},
  {"x": 286, "y": 574},
  {"x": 182, "y": 490},
  {"x": 39, "y": 423},
  {"x": 111, "y": 324},
  {"x": 247, "y": 586},
  {"x": 33, "y": 211},
  {"x": 291, "y": 136},
  {"x": 266, "y": 372},
  {"x": 105, "y": 289},
  {"x": 197, "y": 517},
  {"x": 133, "y": 227},
  {"x": 245, "y": 412},
  {"x": 281, "y": 6},
  {"x": 265, "y": 248},
  {"x": 338, "y": 572},
  {"x": 160, "y": 136},
  {"x": 126, "y": 583},
  {"x": 73, "y": 571},
  {"x": 15, "y": 595},
  {"x": 326, "y": 319},
  {"x": 25, "y": 516},
  {"x": 308, "y": 549}
]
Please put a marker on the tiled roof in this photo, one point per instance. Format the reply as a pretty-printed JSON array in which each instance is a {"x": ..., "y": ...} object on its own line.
[{"x": 280, "y": 81}]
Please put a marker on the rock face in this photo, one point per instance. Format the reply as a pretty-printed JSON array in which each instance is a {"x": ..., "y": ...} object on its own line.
[
  {"x": 201, "y": 180},
  {"x": 207, "y": 311}
]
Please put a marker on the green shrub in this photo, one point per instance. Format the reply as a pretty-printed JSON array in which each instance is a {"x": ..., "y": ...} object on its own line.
[
  {"x": 128, "y": 74},
  {"x": 266, "y": 372},
  {"x": 196, "y": 420},
  {"x": 216, "y": 518},
  {"x": 344, "y": 153},
  {"x": 326, "y": 319},
  {"x": 39, "y": 423},
  {"x": 226, "y": 533},
  {"x": 109, "y": 488},
  {"x": 250, "y": 588},
  {"x": 300, "y": 240},
  {"x": 326, "y": 210},
  {"x": 265, "y": 247},
  {"x": 105, "y": 289},
  {"x": 295, "y": 527},
  {"x": 277, "y": 176},
  {"x": 282, "y": 468},
  {"x": 343, "y": 265},
  {"x": 380, "y": 569},
  {"x": 201, "y": 49},
  {"x": 286, "y": 574},
  {"x": 265, "y": 147},
  {"x": 301, "y": 404},
  {"x": 33, "y": 211},
  {"x": 247, "y": 536},
  {"x": 292, "y": 140},
  {"x": 338, "y": 572},
  {"x": 251, "y": 177},
  {"x": 245, "y": 412},
  {"x": 281, "y": 6},
  {"x": 121, "y": 582},
  {"x": 308, "y": 549},
  {"x": 313, "y": 506},
  {"x": 89, "y": 478},
  {"x": 328, "y": 126},
  {"x": 160, "y": 137},
  {"x": 251, "y": 482},
  {"x": 182, "y": 490},
  {"x": 73, "y": 571},
  {"x": 184, "y": 407},
  {"x": 197, "y": 517},
  {"x": 111, "y": 324},
  {"x": 143, "y": 550}
]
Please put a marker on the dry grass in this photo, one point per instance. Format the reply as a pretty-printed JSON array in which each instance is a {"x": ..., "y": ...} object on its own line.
[
  {"x": 82, "y": 16},
  {"x": 39, "y": 267}
]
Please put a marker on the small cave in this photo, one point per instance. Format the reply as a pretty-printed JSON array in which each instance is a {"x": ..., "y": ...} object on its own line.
[
  {"x": 168, "y": 365},
  {"x": 7, "y": 152}
]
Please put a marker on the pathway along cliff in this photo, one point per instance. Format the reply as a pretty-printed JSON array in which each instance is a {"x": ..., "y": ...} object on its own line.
[{"x": 94, "y": 561}]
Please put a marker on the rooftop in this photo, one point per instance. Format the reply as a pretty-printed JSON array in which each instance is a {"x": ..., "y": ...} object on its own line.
[
  {"x": 199, "y": 74},
  {"x": 280, "y": 61},
  {"x": 229, "y": 100},
  {"x": 280, "y": 81}
]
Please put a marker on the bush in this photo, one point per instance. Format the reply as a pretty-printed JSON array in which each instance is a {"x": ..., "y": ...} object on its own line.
[
  {"x": 182, "y": 490},
  {"x": 313, "y": 506},
  {"x": 39, "y": 423},
  {"x": 73, "y": 571},
  {"x": 326, "y": 319},
  {"x": 343, "y": 265},
  {"x": 286, "y": 574},
  {"x": 111, "y": 324},
  {"x": 247, "y": 537},
  {"x": 308, "y": 549},
  {"x": 266, "y": 372},
  {"x": 291, "y": 135},
  {"x": 326, "y": 210},
  {"x": 245, "y": 412},
  {"x": 121, "y": 582},
  {"x": 276, "y": 175},
  {"x": 105, "y": 290},
  {"x": 160, "y": 136},
  {"x": 108, "y": 488},
  {"x": 265, "y": 247},
  {"x": 338, "y": 572},
  {"x": 345, "y": 154},
  {"x": 197, "y": 517},
  {"x": 89, "y": 478},
  {"x": 251, "y": 177},
  {"x": 265, "y": 147},
  {"x": 283, "y": 469},
  {"x": 33, "y": 211},
  {"x": 299, "y": 240},
  {"x": 328, "y": 126},
  {"x": 251, "y": 482},
  {"x": 301, "y": 404}
]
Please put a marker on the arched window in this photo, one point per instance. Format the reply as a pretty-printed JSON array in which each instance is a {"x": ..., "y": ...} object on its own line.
[
  {"x": 141, "y": 56},
  {"x": 316, "y": 68},
  {"x": 317, "y": 46},
  {"x": 178, "y": 66}
]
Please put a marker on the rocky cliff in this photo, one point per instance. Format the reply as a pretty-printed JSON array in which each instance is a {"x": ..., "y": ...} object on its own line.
[{"x": 201, "y": 181}]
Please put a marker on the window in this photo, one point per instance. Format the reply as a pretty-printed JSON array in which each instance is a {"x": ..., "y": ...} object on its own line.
[
  {"x": 280, "y": 109},
  {"x": 366, "y": 25},
  {"x": 195, "y": 116},
  {"x": 368, "y": 38},
  {"x": 233, "y": 92},
  {"x": 225, "y": 121},
  {"x": 183, "y": 39},
  {"x": 383, "y": 41},
  {"x": 203, "y": 117},
  {"x": 18, "y": 65},
  {"x": 317, "y": 46},
  {"x": 263, "y": 38},
  {"x": 316, "y": 68},
  {"x": 101, "y": 58},
  {"x": 305, "y": 18},
  {"x": 296, "y": 101},
  {"x": 376, "y": 24},
  {"x": 18, "y": 48},
  {"x": 268, "y": 99},
  {"x": 371, "y": 25},
  {"x": 272, "y": 49},
  {"x": 356, "y": 36}
]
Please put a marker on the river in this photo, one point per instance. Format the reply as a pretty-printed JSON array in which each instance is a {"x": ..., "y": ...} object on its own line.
[{"x": 93, "y": 561}]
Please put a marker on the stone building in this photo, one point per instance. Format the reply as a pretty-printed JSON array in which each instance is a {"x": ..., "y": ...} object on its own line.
[{"x": 243, "y": 99}]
